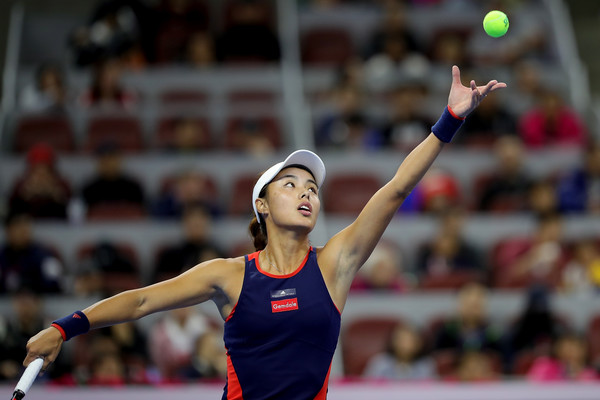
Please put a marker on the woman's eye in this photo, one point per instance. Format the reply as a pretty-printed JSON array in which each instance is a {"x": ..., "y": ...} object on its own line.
[
  {"x": 289, "y": 184},
  {"x": 313, "y": 190}
]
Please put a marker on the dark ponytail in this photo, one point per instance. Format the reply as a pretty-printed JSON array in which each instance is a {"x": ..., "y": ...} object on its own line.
[{"x": 258, "y": 231}]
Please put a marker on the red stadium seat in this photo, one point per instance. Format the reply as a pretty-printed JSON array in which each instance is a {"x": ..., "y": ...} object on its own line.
[
  {"x": 452, "y": 280},
  {"x": 166, "y": 132},
  {"x": 523, "y": 362},
  {"x": 342, "y": 197},
  {"x": 504, "y": 256},
  {"x": 116, "y": 212},
  {"x": 178, "y": 97},
  {"x": 362, "y": 339},
  {"x": 251, "y": 96},
  {"x": 238, "y": 129},
  {"x": 54, "y": 130},
  {"x": 502, "y": 204},
  {"x": 124, "y": 131},
  {"x": 208, "y": 183},
  {"x": 327, "y": 46},
  {"x": 593, "y": 338},
  {"x": 241, "y": 195}
]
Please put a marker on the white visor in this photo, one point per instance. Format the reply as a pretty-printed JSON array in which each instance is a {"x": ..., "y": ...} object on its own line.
[{"x": 305, "y": 158}]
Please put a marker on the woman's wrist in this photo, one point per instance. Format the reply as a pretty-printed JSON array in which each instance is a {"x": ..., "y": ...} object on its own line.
[
  {"x": 447, "y": 125},
  {"x": 72, "y": 325}
]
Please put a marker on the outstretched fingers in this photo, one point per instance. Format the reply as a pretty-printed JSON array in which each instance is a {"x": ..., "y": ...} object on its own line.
[{"x": 491, "y": 86}]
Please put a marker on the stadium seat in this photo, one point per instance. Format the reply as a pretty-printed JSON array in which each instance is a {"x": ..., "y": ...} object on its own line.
[
  {"x": 55, "y": 130},
  {"x": 523, "y": 362},
  {"x": 502, "y": 204},
  {"x": 240, "y": 128},
  {"x": 123, "y": 273},
  {"x": 122, "y": 130},
  {"x": 593, "y": 339},
  {"x": 362, "y": 339},
  {"x": 241, "y": 195},
  {"x": 342, "y": 197},
  {"x": 251, "y": 97},
  {"x": 116, "y": 212},
  {"x": 209, "y": 184},
  {"x": 504, "y": 255},
  {"x": 166, "y": 132},
  {"x": 451, "y": 280},
  {"x": 327, "y": 46},
  {"x": 186, "y": 97}
]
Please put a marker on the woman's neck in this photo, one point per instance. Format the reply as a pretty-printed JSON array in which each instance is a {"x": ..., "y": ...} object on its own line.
[{"x": 283, "y": 255}]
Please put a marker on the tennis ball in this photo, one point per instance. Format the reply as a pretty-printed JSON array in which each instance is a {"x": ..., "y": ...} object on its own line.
[{"x": 495, "y": 23}]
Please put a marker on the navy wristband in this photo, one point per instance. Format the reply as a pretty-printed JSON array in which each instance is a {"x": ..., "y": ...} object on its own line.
[
  {"x": 447, "y": 125},
  {"x": 72, "y": 325}
]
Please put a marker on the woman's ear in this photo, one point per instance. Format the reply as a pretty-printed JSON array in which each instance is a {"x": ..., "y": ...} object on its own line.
[{"x": 262, "y": 207}]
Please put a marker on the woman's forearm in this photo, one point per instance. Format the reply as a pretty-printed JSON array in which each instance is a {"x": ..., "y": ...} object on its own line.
[
  {"x": 123, "y": 307},
  {"x": 416, "y": 164}
]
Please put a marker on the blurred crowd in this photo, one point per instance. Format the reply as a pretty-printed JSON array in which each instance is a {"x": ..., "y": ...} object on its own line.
[{"x": 381, "y": 99}]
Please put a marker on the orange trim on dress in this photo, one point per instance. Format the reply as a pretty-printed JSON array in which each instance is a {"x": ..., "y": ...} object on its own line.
[
  {"x": 280, "y": 276},
  {"x": 234, "y": 390},
  {"x": 322, "y": 395}
]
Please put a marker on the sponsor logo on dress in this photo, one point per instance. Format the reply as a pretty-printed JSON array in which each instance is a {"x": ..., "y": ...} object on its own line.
[
  {"x": 283, "y": 292},
  {"x": 284, "y": 305}
]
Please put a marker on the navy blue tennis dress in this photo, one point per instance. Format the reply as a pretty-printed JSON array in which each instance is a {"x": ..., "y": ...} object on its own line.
[{"x": 281, "y": 335}]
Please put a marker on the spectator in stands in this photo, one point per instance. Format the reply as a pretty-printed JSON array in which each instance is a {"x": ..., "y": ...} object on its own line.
[
  {"x": 116, "y": 28},
  {"x": 195, "y": 248},
  {"x": 449, "y": 47},
  {"x": 172, "y": 340},
  {"x": 115, "y": 269},
  {"x": 579, "y": 191},
  {"x": 395, "y": 58},
  {"x": 487, "y": 123},
  {"x": 132, "y": 347},
  {"x": 41, "y": 192},
  {"x": 345, "y": 125},
  {"x": 15, "y": 332},
  {"x": 545, "y": 256},
  {"x": 582, "y": 273},
  {"x": 105, "y": 366},
  {"x": 507, "y": 187},
  {"x": 535, "y": 328},
  {"x": 569, "y": 362},
  {"x": 470, "y": 330},
  {"x": 438, "y": 192},
  {"x": 106, "y": 91},
  {"x": 475, "y": 366},
  {"x": 200, "y": 51},
  {"x": 47, "y": 93},
  {"x": 190, "y": 188},
  {"x": 111, "y": 185},
  {"x": 542, "y": 198},
  {"x": 209, "y": 361},
  {"x": 250, "y": 136},
  {"x": 551, "y": 123},
  {"x": 407, "y": 125},
  {"x": 249, "y": 37},
  {"x": 24, "y": 263},
  {"x": 393, "y": 22},
  {"x": 527, "y": 88},
  {"x": 383, "y": 271},
  {"x": 177, "y": 22},
  {"x": 449, "y": 252},
  {"x": 404, "y": 359}
]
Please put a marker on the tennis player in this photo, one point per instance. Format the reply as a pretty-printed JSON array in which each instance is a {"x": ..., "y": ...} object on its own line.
[{"x": 281, "y": 304}]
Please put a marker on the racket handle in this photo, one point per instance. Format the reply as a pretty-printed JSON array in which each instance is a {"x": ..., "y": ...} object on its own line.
[{"x": 31, "y": 372}]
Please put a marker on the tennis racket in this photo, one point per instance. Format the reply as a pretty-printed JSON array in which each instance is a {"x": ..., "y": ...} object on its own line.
[{"x": 31, "y": 372}]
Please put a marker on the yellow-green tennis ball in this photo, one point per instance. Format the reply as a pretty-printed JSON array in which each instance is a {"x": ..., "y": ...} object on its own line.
[{"x": 495, "y": 23}]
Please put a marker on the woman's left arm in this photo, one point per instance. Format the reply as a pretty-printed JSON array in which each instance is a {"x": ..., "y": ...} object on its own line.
[{"x": 348, "y": 250}]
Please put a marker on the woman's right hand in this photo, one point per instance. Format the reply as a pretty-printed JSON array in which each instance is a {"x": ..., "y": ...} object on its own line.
[{"x": 46, "y": 344}]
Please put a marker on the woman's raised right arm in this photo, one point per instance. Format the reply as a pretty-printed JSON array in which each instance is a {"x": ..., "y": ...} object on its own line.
[{"x": 192, "y": 287}]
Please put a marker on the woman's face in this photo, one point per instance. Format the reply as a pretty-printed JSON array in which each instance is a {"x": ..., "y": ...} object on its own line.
[{"x": 292, "y": 200}]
